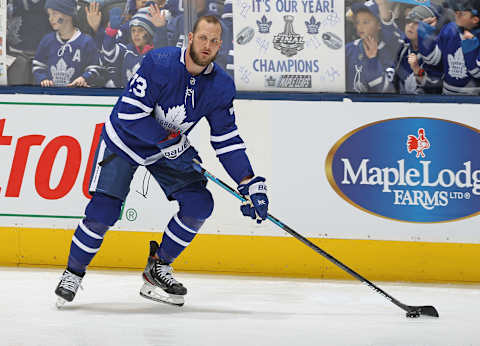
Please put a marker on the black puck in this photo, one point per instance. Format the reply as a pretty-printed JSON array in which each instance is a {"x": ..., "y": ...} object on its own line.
[{"x": 413, "y": 314}]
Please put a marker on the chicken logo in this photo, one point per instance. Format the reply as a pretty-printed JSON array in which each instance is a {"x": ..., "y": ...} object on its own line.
[{"x": 418, "y": 144}]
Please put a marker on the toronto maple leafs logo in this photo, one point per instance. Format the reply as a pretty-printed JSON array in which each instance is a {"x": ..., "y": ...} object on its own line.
[
  {"x": 264, "y": 25},
  {"x": 173, "y": 120},
  {"x": 418, "y": 144},
  {"x": 61, "y": 73},
  {"x": 456, "y": 65},
  {"x": 270, "y": 81},
  {"x": 312, "y": 26}
]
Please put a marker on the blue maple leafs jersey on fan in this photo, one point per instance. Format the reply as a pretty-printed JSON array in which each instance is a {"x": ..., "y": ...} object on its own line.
[
  {"x": 163, "y": 98},
  {"x": 62, "y": 62}
]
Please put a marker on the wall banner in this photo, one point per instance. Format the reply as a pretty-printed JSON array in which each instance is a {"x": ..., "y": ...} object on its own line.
[
  {"x": 289, "y": 45},
  {"x": 409, "y": 169}
]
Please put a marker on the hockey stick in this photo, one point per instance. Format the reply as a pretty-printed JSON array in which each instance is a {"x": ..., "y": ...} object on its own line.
[{"x": 412, "y": 311}]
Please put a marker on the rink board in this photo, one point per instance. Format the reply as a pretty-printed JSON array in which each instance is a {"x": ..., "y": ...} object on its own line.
[
  {"x": 258, "y": 255},
  {"x": 46, "y": 145}
]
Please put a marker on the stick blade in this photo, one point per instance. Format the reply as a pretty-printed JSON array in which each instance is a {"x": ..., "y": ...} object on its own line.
[{"x": 428, "y": 311}]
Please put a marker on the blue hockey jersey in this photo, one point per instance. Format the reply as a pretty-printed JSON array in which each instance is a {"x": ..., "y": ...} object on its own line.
[
  {"x": 163, "y": 97},
  {"x": 62, "y": 62},
  {"x": 405, "y": 80},
  {"x": 369, "y": 75},
  {"x": 376, "y": 74},
  {"x": 455, "y": 56}
]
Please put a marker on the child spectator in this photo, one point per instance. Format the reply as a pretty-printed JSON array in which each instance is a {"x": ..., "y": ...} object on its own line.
[
  {"x": 65, "y": 57},
  {"x": 455, "y": 50},
  {"x": 370, "y": 60},
  {"x": 411, "y": 76},
  {"x": 132, "y": 7},
  {"x": 147, "y": 31}
]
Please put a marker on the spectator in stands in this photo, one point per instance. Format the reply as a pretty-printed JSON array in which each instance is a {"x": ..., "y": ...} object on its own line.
[
  {"x": 147, "y": 31},
  {"x": 411, "y": 76},
  {"x": 456, "y": 49},
  {"x": 131, "y": 7},
  {"x": 225, "y": 57},
  {"x": 370, "y": 60},
  {"x": 27, "y": 23},
  {"x": 66, "y": 56}
]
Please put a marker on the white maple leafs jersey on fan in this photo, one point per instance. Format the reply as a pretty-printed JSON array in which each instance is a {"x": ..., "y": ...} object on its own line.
[{"x": 162, "y": 98}]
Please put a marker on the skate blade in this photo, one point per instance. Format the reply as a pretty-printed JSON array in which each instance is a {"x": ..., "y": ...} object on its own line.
[
  {"x": 157, "y": 294},
  {"x": 60, "y": 303}
]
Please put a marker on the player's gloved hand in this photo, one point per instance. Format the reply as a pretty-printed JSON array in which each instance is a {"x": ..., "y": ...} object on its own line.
[
  {"x": 115, "y": 17},
  {"x": 256, "y": 190},
  {"x": 178, "y": 152}
]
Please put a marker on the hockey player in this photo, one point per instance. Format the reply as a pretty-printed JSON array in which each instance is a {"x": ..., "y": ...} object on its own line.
[
  {"x": 147, "y": 31},
  {"x": 411, "y": 76},
  {"x": 173, "y": 89},
  {"x": 370, "y": 60},
  {"x": 65, "y": 57},
  {"x": 456, "y": 49}
]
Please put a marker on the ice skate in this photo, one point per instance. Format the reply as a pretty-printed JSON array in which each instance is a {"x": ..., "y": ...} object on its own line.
[
  {"x": 67, "y": 288},
  {"x": 160, "y": 285}
]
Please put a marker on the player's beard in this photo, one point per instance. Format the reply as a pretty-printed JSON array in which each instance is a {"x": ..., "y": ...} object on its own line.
[{"x": 196, "y": 58}]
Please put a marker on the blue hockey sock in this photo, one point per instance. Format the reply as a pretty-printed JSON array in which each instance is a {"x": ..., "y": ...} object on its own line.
[
  {"x": 86, "y": 242},
  {"x": 179, "y": 232}
]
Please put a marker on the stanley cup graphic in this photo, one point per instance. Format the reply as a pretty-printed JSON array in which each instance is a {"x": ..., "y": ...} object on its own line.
[{"x": 288, "y": 42}]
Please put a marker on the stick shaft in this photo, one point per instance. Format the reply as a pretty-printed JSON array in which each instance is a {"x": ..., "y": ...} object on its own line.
[{"x": 305, "y": 241}]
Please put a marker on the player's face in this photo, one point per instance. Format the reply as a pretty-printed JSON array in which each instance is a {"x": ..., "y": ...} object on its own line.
[
  {"x": 466, "y": 19},
  {"x": 366, "y": 25},
  {"x": 205, "y": 43},
  {"x": 139, "y": 36},
  {"x": 411, "y": 30}
]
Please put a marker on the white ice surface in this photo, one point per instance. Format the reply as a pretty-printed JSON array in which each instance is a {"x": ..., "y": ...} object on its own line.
[{"x": 231, "y": 311}]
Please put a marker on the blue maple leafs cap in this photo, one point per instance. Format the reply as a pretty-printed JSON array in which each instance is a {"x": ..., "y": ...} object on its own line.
[{"x": 369, "y": 6}]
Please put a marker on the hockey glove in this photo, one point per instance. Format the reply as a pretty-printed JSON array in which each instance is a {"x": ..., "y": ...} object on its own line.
[
  {"x": 256, "y": 191},
  {"x": 178, "y": 152},
  {"x": 115, "y": 16}
]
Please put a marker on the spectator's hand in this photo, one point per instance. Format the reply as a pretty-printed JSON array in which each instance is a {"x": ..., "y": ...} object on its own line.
[
  {"x": 385, "y": 9},
  {"x": 46, "y": 83},
  {"x": 413, "y": 62},
  {"x": 115, "y": 17},
  {"x": 371, "y": 46},
  {"x": 467, "y": 35},
  {"x": 79, "y": 82},
  {"x": 432, "y": 21},
  {"x": 158, "y": 18},
  {"x": 94, "y": 16}
]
